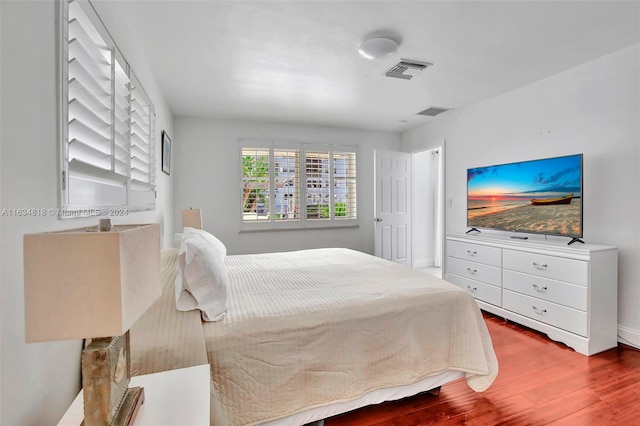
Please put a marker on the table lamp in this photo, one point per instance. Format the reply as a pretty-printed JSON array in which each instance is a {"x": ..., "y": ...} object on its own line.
[
  {"x": 192, "y": 218},
  {"x": 86, "y": 283}
]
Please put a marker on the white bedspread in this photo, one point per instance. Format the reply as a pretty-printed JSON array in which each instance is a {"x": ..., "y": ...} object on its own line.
[
  {"x": 309, "y": 328},
  {"x": 165, "y": 338}
]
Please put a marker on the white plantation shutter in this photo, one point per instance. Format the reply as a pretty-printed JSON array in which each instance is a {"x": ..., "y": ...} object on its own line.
[
  {"x": 256, "y": 184},
  {"x": 344, "y": 185},
  {"x": 90, "y": 88},
  {"x": 98, "y": 168},
  {"x": 330, "y": 185},
  {"x": 318, "y": 185},
  {"x": 142, "y": 154},
  {"x": 121, "y": 113},
  {"x": 288, "y": 185}
]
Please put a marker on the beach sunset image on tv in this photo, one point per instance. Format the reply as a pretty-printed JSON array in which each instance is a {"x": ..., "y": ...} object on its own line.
[{"x": 540, "y": 196}]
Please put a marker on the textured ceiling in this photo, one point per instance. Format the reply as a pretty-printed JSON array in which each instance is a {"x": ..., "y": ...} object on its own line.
[{"x": 297, "y": 61}]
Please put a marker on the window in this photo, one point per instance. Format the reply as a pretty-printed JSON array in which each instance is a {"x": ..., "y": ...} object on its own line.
[
  {"x": 107, "y": 131},
  {"x": 278, "y": 193}
]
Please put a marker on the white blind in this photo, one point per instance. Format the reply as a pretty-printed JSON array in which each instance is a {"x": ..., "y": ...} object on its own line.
[
  {"x": 90, "y": 101},
  {"x": 142, "y": 154},
  {"x": 294, "y": 185},
  {"x": 287, "y": 184},
  {"x": 103, "y": 114},
  {"x": 256, "y": 184},
  {"x": 344, "y": 185},
  {"x": 330, "y": 185},
  {"x": 318, "y": 185},
  {"x": 121, "y": 113}
]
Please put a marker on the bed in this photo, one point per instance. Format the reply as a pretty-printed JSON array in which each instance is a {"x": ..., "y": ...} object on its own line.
[{"x": 313, "y": 333}]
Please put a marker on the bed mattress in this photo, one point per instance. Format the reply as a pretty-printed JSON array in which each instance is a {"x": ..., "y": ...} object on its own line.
[{"x": 312, "y": 328}]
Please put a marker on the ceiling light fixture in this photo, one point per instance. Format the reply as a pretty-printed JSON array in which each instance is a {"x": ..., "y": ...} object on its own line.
[{"x": 377, "y": 48}]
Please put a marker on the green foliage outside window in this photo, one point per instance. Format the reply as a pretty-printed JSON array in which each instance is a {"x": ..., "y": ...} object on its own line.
[
  {"x": 254, "y": 169},
  {"x": 340, "y": 210}
]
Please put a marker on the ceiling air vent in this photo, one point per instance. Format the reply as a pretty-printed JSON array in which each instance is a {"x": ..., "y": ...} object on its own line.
[
  {"x": 433, "y": 111},
  {"x": 407, "y": 68}
]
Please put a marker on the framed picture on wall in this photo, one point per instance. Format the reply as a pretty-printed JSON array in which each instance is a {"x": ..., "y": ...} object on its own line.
[{"x": 166, "y": 153}]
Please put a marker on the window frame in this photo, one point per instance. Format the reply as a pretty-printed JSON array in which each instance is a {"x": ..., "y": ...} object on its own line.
[
  {"x": 303, "y": 223},
  {"x": 134, "y": 198}
]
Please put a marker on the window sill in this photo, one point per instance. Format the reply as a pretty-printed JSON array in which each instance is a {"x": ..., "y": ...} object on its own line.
[{"x": 309, "y": 227}]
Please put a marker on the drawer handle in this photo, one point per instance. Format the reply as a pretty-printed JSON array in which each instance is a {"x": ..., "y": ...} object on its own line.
[
  {"x": 540, "y": 267},
  {"x": 538, "y": 310},
  {"x": 472, "y": 271},
  {"x": 539, "y": 289},
  {"x": 472, "y": 253},
  {"x": 472, "y": 289}
]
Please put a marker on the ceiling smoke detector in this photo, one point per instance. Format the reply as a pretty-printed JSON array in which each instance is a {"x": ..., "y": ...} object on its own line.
[
  {"x": 406, "y": 69},
  {"x": 433, "y": 111},
  {"x": 377, "y": 48}
]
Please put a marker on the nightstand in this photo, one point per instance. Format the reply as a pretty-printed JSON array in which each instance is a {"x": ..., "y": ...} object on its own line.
[{"x": 176, "y": 397}]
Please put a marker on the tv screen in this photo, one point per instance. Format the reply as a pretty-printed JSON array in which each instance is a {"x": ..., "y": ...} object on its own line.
[{"x": 539, "y": 196}]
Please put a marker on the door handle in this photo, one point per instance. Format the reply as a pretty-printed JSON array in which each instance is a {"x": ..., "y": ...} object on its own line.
[{"x": 377, "y": 219}]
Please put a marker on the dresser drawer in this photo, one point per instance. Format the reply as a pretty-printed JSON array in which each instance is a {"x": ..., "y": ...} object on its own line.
[
  {"x": 475, "y": 253},
  {"x": 475, "y": 271},
  {"x": 550, "y": 313},
  {"x": 481, "y": 291},
  {"x": 557, "y": 268},
  {"x": 571, "y": 295}
]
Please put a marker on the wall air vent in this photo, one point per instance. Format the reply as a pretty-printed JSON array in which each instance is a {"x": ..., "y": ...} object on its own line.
[
  {"x": 406, "y": 69},
  {"x": 433, "y": 111}
]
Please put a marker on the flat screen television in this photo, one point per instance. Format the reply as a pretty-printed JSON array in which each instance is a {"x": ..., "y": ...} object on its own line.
[{"x": 541, "y": 196}]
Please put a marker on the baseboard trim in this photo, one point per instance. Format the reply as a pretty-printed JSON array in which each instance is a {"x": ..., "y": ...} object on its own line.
[
  {"x": 423, "y": 263},
  {"x": 629, "y": 336}
]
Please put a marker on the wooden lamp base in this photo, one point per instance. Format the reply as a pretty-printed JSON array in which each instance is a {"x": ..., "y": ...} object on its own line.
[
  {"x": 129, "y": 407},
  {"x": 108, "y": 401}
]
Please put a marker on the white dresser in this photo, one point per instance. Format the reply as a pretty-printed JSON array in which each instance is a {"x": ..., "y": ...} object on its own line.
[{"x": 568, "y": 292}]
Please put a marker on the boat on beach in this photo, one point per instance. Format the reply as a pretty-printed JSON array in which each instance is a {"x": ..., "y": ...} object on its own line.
[{"x": 550, "y": 201}]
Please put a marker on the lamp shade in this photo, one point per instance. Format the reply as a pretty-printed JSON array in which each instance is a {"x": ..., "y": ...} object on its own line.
[
  {"x": 192, "y": 218},
  {"x": 81, "y": 284}
]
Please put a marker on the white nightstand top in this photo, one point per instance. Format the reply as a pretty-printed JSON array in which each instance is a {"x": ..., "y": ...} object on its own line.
[{"x": 176, "y": 397}]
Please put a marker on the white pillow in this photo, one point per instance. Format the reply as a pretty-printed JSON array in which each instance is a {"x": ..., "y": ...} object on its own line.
[
  {"x": 216, "y": 243},
  {"x": 202, "y": 278}
]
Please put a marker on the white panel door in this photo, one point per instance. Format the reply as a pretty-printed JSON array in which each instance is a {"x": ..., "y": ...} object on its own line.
[{"x": 393, "y": 206}]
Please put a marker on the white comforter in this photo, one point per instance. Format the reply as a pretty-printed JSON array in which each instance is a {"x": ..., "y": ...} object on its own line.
[
  {"x": 309, "y": 328},
  {"x": 165, "y": 338}
]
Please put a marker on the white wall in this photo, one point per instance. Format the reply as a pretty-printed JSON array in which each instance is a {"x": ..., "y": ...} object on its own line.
[
  {"x": 207, "y": 169},
  {"x": 591, "y": 109},
  {"x": 40, "y": 380}
]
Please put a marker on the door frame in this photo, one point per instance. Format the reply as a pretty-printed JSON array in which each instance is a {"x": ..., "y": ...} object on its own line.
[{"x": 441, "y": 145}]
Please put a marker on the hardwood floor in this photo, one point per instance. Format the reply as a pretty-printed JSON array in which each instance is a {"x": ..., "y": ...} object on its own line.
[{"x": 540, "y": 382}]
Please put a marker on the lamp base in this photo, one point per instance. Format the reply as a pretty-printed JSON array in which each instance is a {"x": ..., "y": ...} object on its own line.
[
  {"x": 129, "y": 407},
  {"x": 108, "y": 401}
]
